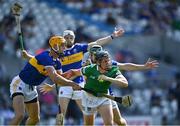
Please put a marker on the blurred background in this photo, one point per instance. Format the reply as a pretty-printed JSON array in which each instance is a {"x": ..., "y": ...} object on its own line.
[{"x": 152, "y": 30}]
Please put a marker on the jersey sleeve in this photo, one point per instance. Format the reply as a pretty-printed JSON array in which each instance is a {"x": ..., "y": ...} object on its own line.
[
  {"x": 110, "y": 91},
  {"x": 116, "y": 72},
  {"x": 83, "y": 47},
  {"x": 44, "y": 59},
  {"x": 86, "y": 70},
  {"x": 115, "y": 63},
  {"x": 59, "y": 66}
]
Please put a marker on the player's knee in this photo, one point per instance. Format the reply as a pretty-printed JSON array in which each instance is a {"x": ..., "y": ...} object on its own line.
[{"x": 35, "y": 119}]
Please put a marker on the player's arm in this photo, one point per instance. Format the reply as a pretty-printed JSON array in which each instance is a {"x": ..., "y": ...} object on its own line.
[
  {"x": 120, "y": 80},
  {"x": 71, "y": 74},
  {"x": 105, "y": 40},
  {"x": 131, "y": 66},
  {"x": 60, "y": 80},
  {"x": 26, "y": 55}
]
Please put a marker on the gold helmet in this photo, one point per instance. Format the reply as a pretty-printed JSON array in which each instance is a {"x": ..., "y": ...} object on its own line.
[{"x": 56, "y": 42}]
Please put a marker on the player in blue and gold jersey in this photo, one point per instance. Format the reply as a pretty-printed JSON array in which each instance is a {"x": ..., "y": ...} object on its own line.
[{"x": 23, "y": 86}]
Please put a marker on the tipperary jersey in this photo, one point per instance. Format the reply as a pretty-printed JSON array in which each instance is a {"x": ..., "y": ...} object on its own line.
[
  {"x": 73, "y": 59},
  {"x": 114, "y": 63},
  {"x": 34, "y": 72}
]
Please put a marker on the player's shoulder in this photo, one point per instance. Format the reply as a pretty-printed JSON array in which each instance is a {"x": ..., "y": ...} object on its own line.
[
  {"x": 75, "y": 46},
  {"x": 91, "y": 66},
  {"x": 114, "y": 62},
  {"x": 80, "y": 44},
  {"x": 114, "y": 71},
  {"x": 43, "y": 56},
  {"x": 115, "y": 68},
  {"x": 44, "y": 53}
]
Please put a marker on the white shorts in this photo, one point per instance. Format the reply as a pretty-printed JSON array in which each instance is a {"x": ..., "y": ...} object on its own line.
[
  {"x": 18, "y": 86},
  {"x": 68, "y": 92},
  {"x": 114, "y": 104},
  {"x": 91, "y": 103}
]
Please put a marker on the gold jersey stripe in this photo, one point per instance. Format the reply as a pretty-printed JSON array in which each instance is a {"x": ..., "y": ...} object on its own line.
[
  {"x": 72, "y": 58},
  {"x": 33, "y": 61}
]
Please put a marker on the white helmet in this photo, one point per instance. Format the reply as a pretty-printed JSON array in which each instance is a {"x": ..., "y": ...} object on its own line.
[{"x": 68, "y": 32}]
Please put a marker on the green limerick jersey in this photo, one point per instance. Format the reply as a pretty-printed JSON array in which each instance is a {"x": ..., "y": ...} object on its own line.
[{"x": 91, "y": 72}]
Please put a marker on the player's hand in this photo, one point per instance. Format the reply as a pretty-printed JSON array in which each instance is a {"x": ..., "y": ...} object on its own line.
[
  {"x": 50, "y": 70},
  {"x": 150, "y": 64},
  {"x": 45, "y": 88},
  {"x": 127, "y": 101},
  {"x": 71, "y": 74},
  {"x": 118, "y": 32},
  {"x": 68, "y": 74},
  {"x": 16, "y": 9},
  {"x": 102, "y": 78},
  {"x": 24, "y": 54}
]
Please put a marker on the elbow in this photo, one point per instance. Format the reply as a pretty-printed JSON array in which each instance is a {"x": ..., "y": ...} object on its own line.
[{"x": 125, "y": 85}]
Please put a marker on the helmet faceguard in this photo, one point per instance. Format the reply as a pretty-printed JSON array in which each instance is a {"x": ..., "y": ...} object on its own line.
[
  {"x": 103, "y": 56},
  {"x": 93, "y": 50}
]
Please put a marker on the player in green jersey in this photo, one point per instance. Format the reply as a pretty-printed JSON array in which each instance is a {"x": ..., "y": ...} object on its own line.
[
  {"x": 99, "y": 77},
  {"x": 90, "y": 59}
]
